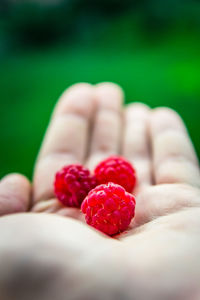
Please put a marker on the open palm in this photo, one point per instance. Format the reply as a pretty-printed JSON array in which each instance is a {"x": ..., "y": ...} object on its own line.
[{"x": 156, "y": 258}]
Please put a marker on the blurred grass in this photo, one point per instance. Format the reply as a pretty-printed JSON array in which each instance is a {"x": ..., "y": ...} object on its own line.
[{"x": 164, "y": 72}]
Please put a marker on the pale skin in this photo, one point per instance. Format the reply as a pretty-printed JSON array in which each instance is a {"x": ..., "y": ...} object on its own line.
[{"x": 48, "y": 252}]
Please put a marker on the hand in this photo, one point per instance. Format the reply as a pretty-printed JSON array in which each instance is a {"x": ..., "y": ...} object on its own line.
[{"x": 44, "y": 255}]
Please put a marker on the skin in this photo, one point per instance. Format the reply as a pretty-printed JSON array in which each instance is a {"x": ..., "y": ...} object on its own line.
[{"x": 50, "y": 253}]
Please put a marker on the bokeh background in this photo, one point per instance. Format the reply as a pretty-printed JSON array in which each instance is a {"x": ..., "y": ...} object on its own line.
[{"x": 150, "y": 47}]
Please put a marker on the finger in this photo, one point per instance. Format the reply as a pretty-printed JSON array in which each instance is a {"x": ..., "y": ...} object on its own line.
[
  {"x": 48, "y": 206},
  {"x": 164, "y": 199},
  {"x": 55, "y": 207},
  {"x": 106, "y": 135},
  {"x": 15, "y": 194},
  {"x": 174, "y": 157},
  {"x": 66, "y": 138},
  {"x": 135, "y": 144}
]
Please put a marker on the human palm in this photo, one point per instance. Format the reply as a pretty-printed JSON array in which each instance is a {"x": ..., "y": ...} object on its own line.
[{"x": 63, "y": 258}]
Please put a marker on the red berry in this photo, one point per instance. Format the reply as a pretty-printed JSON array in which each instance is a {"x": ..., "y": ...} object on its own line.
[
  {"x": 72, "y": 184},
  {"x": 109, "y": 208},
  {"x": 118, "y": 170}
]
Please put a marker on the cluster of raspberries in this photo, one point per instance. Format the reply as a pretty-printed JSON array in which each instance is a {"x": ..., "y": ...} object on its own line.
[{"x": 104, "y": 197}]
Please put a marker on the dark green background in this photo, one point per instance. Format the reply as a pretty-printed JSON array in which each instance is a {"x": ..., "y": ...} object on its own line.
[{"x": 150, "y": 48}]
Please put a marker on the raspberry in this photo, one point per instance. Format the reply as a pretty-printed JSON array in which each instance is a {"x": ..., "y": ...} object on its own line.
[
  {"x": 72, "y": 184},
  {"x": 109, "y": 208},
  {"x": 118, "y": 170}
]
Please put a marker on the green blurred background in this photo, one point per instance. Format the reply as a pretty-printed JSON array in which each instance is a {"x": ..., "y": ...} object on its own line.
[{"x": 150, "y": 47}]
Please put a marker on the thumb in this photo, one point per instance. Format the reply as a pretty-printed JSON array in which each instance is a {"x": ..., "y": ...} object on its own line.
[{"x": 15, "y": 194}]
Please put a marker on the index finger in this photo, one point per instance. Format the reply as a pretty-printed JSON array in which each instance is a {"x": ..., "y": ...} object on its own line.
[{"x": 66, "y": 138}]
